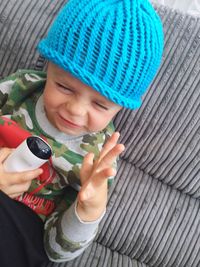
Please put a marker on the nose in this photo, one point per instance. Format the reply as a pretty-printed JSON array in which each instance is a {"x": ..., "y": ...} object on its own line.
[{"x": 76, "y": 108}]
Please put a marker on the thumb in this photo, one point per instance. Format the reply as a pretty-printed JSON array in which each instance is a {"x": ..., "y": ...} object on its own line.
[{"x": 4, "y": 153}]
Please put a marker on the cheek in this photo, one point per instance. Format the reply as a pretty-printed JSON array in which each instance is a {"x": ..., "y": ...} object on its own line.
[
  {"x": 50, "y": 101},
  {"x": 47, "y": 103},
  {"x": 98, "y": 122}
]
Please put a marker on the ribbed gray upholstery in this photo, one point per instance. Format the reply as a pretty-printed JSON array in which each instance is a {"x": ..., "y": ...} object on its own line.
[
  {"x": 153, "y": 216},
  {"x": 22, "y": 24},
  {"x": 98, "y": 255}
]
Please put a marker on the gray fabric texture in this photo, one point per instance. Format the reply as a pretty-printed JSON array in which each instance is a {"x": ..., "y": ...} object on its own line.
[{"x": 153, "y": 215}]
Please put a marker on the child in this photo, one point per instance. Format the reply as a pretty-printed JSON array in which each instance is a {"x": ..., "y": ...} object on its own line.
[{"x": 102, "y": 57}]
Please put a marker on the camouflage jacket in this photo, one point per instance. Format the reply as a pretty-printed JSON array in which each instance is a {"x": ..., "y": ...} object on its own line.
[{"x": 52, "y": 195}]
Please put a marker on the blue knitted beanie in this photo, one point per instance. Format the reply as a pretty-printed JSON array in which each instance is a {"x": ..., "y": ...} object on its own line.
[{"x": 114, "y": 46}]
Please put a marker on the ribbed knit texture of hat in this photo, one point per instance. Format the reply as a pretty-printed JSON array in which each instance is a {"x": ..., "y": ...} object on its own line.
[{"x": 114, "y": 46}]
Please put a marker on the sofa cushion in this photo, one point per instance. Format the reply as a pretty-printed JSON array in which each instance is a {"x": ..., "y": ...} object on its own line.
[
  {"x": 163, "y": 136},
  {"x": 22, "y": 25},
  {"x": 100, "y": 256}
]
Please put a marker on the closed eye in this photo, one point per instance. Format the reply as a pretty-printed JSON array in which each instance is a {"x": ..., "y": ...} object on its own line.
[
  {"x": 101, "y": 106},
  {"x": 64, "y": 88}
]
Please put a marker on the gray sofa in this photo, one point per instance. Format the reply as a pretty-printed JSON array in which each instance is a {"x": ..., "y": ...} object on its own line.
[{"x": 153, "y": 215}]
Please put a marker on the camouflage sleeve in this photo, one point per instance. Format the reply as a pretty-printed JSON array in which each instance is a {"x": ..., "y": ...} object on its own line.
[
  {"x": 5, "y": 88},
  {"x": 17, "y": 86},
  {"x": 66, "y": 236}
]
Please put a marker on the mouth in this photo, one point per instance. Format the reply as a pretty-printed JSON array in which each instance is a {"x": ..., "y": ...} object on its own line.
[{"x": 68, "y": 123}]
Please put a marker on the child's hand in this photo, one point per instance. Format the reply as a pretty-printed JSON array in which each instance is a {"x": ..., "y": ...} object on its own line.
[
  {"x": 92, "y": 198},
  {"x": 15, "y": 183}
]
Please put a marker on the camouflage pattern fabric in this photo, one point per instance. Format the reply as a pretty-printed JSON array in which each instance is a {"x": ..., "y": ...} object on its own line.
[{"x": 52, "y": 195}]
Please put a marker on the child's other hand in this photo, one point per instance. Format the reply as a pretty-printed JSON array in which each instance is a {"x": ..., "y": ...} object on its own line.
[
  {"x": 15, "y": 183},
  {"x": 92, "y": 198}
]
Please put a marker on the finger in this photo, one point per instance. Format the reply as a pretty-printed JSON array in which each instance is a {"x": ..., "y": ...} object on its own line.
[
  {"x": 17, "y": 190},
  {"x": 87, "y": 166},
  {"x": 4, "y": 152},
  {"x": 101, "y": 177},
  {"x": 15, "y": 195},
  {"x": 23, "y": 177},
  {"x": 110, "y": 157},
  {"x": 112, "y": 141},
  {"x": 98, "y": 181}
]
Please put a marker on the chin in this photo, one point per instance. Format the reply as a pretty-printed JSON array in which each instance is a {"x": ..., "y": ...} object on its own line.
[{"x": 71, "y": 131}]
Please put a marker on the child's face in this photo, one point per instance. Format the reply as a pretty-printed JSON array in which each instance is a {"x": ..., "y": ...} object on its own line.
[{"x": 73, "y": 107}]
